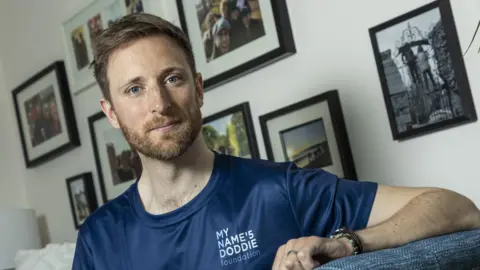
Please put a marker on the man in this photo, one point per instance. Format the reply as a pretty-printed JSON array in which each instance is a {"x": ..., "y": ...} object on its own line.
[
  {"x": 193, "y": 208},
  {"x": 252, "y": 28},
  {"x": 221, "y": 38}
]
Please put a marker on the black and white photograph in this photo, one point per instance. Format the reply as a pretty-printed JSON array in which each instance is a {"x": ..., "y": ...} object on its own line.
[
  {"x": 306, "y": 145},
  {"x": 424, "y": 81},
  {"x": 81, "y": 193},
  {"x": 231, "y": 38},
  {"x": 45, "y": 115},
  {"x": 118, "y": 165},
  {"x": 310, "y": 133}
]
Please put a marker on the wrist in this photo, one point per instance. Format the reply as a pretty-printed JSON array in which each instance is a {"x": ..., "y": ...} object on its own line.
[
  {"x": 349, "y": 247},
  {"x": 350, "y": 239}
]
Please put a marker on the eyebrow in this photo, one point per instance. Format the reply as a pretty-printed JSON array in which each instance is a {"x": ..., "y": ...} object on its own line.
[
  {"x": 140, "y": 79},
  {"x": 134, "y": 80}
]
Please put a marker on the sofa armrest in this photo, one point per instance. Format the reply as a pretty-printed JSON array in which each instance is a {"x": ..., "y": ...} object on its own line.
[{"x": 460, "y": 250}]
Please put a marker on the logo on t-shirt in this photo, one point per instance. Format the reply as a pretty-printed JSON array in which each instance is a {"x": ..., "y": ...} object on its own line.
[{"x": 234, "y": 248}]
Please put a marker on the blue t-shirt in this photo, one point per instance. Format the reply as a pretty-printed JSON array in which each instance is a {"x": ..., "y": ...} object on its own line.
[{"x": 247, "y": 210}]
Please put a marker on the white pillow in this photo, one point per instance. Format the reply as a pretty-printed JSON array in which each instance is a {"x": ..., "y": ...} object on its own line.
[{"x": 52, "y": 257}]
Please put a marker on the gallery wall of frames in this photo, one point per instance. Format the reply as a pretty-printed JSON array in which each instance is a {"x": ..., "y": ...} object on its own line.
[{"x": 423, "y": 79}]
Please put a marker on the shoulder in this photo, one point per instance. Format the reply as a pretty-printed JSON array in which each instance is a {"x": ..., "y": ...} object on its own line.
[
  {"x": 257, "y": 166},
  {"x": 265, "y": 172},
  {"x": 286, "y": 169}
]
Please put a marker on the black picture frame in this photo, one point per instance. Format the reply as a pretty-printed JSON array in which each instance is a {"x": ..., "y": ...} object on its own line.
[
  {"x": 325, "y": 106},
  {"x": 84, "y": 182},
  {"x": 102, "y": 133},
  {"x": 286, "y": 45},
  {"x": 242, "y": 109},
  {"x": 98, "y": 163},
  {"x": 44, "y": 138},
  {"x": 419, "y": 103}
]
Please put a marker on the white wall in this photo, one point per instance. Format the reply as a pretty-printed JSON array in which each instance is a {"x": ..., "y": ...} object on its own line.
[
  {"x": 12, "y": 180},
  {"x": 334, "y": 52}
]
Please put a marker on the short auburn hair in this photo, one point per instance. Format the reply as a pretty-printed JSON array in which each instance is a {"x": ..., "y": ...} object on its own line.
[{"x": 128, "y": 29}]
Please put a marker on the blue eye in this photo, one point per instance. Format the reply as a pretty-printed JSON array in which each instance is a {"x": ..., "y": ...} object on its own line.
[
  {"x": 134, "y": 90},
  {"x": 173, "y": 79}
]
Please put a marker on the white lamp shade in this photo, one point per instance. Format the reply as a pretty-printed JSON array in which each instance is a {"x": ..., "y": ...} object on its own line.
[{"x": 18, "y": 230}]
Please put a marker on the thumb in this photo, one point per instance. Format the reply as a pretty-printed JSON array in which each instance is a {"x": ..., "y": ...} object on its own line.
[
  {"x": 335, "y": 248},
  {"x": 308, "y": 254}
]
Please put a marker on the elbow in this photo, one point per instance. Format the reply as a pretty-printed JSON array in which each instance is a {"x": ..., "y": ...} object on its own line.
[
  {"x": 469, "y": 211},
  {"x": 473, "y": 220},
  {"x": 464, "y": 214}
]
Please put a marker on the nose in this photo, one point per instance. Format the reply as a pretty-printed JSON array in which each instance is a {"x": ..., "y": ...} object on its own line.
[{"x": 158, "y": 99}]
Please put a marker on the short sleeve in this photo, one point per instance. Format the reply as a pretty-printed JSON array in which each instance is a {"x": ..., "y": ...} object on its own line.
[
  {"x": 323, "y": 202},
  {"x": 82, "y": 259}
]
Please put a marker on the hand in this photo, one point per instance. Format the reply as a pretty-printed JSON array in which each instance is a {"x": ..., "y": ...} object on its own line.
[{"x": 307, "y": 253}]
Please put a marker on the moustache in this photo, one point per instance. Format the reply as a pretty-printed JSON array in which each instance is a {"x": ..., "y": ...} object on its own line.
[{"x": 160, "y": 122}]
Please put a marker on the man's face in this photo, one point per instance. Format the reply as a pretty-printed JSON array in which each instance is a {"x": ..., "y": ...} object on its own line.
[
  {"x": 246, "y": 20},
  {"x": 235, "y": 14},
  {"x": 155, "y": 98},
  {"x": 225, "y": 10},
  {"x": 222, "y": 40}
]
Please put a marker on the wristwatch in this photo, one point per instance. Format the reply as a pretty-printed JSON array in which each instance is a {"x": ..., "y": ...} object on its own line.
[{"x": 351, "y": 237}]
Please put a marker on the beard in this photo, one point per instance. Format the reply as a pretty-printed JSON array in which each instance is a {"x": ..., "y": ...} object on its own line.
[{"x": 173, "y": 143}]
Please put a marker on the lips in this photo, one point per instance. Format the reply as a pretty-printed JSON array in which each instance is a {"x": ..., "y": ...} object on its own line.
[{"x": 164, "y": 125}]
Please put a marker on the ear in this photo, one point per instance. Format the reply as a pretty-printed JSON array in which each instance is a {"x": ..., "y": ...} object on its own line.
[
  {"x": 108, "y": 110},
  {"x": 199, "y": 89}
]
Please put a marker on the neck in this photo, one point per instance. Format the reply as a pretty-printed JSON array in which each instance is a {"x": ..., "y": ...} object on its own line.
[{"x": 167, "y": 185}]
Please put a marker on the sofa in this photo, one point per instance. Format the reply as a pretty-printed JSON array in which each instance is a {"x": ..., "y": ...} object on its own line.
[{"x": 459, "y": 250}]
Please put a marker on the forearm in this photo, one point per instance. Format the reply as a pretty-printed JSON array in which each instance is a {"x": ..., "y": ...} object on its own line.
[{"x": 430, "y": 214}]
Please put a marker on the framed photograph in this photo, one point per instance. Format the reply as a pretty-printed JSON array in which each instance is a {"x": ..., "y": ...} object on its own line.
[
  {"x": 231, "y": 38},
  {"x": 118, "y": 165},
  {"x": 231, "y": 132},
  {"x": 422, "y": 73},
  {"x": 80, "y": 31},
  {"x": 45, "y": 115},
  {"x": 83, "y": 200},
  {"x": 310, "y": 133}
]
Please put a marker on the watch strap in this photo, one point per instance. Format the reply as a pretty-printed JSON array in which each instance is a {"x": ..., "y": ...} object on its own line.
[{"x": 351, "y": 237}]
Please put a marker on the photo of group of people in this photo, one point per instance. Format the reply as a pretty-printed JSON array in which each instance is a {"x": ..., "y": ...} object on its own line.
[
  {"x": 226, "y": 25},
  {"x": 42, "y": 116},
  {"x": 124, "y": 163}
]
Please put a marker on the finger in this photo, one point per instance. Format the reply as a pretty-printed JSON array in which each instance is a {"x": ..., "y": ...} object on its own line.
[
  {"x": 277, "y": 263},
  {"x": 292, "y": 263},
  {"x": 307, "y": 261},
  {"x": 284, "y": 253},
  {"x": 311, "y": 246},
  {"x": 291, "y": 260},
  {"x": 291, "y": 244}
]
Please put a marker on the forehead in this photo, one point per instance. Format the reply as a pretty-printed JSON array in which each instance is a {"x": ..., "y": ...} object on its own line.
[
  {"x": 149, "y": 54},
  {"x": 223, "y": 31}
]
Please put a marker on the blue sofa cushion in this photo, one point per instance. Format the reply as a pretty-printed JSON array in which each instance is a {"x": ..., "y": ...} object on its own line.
[{"x": 460, "y": 250}]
